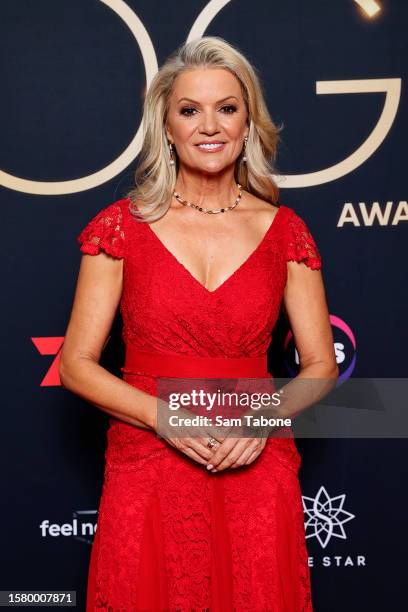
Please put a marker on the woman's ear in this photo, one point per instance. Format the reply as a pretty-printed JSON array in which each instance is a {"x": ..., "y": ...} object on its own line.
[{"x": 168, "y": 133}]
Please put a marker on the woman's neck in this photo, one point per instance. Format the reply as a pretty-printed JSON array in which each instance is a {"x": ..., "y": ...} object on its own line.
[{"x": 213, "y": 191}]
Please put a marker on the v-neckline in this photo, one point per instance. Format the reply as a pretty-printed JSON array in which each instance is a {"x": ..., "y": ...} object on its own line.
[{"x": 237, "y": 270}]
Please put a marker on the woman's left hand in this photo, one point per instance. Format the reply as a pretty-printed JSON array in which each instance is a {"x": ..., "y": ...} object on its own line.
[{"x": 235, "y": 452}]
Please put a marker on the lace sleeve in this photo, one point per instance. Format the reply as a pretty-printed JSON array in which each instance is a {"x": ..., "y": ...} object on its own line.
[
  {"x": 105, "y": 231},
  {"x": 301, "y": 246}
]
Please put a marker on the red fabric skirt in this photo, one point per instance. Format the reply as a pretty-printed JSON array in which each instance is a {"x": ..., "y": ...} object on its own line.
[{"x": 172, "y": 536}]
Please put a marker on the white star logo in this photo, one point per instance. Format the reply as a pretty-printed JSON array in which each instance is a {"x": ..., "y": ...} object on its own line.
[{"x": 325, "y": 516}]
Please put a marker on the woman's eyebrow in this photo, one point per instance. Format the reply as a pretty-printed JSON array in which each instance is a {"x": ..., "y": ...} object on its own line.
[{"x": 195, "y": 101}]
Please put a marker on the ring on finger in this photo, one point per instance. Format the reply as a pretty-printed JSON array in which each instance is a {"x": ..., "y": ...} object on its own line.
[{"x": 211, "y": 442}]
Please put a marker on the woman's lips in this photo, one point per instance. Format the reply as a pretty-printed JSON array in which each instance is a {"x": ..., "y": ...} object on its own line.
[{"x": 212, "y": 148}]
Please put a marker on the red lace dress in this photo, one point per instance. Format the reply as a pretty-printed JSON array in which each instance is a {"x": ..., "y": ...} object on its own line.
[{"x": 172, "y": 536}]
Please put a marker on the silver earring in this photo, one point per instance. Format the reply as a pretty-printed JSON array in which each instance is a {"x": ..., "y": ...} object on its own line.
[
  {"x": 172, "y": 162},
  {"x": 245, "y": 144}
]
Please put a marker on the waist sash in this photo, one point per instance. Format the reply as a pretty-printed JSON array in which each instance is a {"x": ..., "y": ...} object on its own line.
[{"x": 191, "y": 366}]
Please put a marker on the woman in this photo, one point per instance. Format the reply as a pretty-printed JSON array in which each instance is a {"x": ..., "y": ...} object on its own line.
[{"x": 209, "y": 521}]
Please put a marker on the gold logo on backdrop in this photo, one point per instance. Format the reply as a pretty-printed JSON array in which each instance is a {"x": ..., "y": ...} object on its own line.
[
  {"x": 391, "y": 87},
  {"x": 128, "y": 155}
]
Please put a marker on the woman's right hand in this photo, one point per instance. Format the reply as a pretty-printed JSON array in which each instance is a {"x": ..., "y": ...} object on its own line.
[{"x": 193, "y": 444}]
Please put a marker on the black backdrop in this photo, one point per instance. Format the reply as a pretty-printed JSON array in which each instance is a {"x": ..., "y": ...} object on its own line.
[{"x": 73, "y": 79}]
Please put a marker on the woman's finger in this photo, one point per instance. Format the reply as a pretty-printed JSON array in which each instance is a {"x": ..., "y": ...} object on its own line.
[
  {"x": 242, "y": 459},
  {"x": 253, "y": 456},
  {"x": 229, "y": 452}
]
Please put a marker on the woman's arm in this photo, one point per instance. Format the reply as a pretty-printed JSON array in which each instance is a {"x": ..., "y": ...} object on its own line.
[
  {"x": 305, "y": 307},
  {"x": 97, "y": 296}
]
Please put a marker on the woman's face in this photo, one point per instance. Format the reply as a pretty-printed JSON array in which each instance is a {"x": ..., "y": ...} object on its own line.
[{"x": 206, "y": 106}]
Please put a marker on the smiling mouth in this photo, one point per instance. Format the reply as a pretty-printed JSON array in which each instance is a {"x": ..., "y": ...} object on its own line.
[{"x": 210, "y": 147}]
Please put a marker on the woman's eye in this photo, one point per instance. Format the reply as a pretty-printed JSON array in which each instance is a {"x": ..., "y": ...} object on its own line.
[
  {"x": 188, "y": 111},
  {"x": 231, "y": 108},
  {"x": 185, "y": 111}
]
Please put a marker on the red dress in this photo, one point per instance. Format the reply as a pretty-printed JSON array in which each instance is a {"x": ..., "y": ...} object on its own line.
[{"x": 172, "y": 536}]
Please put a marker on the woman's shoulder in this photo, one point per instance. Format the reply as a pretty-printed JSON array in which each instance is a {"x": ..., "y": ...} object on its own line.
[
  {"x": 300, "y": 244},
  {"x": 106, "y": 230}
]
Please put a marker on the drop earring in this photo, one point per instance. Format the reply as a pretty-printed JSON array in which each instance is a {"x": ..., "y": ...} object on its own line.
[
  {"x": 172, "y": 162},
  {"x": 245, "y": 144}
]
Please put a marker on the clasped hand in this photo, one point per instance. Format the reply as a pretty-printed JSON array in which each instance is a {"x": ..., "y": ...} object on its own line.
[{"x": 232, "y": 449}]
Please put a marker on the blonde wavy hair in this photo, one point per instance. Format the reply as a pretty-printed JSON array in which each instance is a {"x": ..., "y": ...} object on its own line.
[{"x": 155, "y": 177}]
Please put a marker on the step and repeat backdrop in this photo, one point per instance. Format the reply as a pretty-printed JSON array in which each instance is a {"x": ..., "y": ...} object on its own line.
[{"x": 74, "y": 74}]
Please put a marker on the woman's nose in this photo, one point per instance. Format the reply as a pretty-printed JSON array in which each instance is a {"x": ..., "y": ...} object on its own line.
[{"x": 209, "y": 124}]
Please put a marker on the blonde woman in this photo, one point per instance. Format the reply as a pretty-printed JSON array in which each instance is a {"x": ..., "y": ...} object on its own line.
[{"x": 199, "y": 256}]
